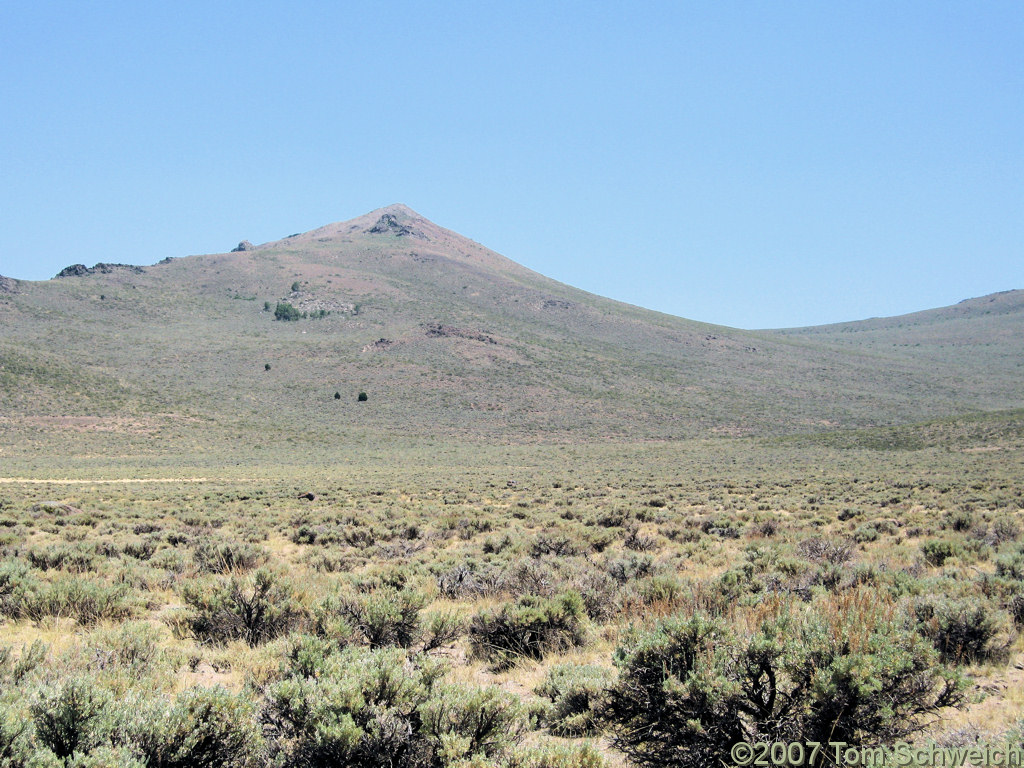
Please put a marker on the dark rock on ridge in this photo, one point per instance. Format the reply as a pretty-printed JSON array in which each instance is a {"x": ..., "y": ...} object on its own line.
[
  {"x": 389, "y": 224},
  {"x": 75, "y": 270},
  {"x": 79, "y": 270}
]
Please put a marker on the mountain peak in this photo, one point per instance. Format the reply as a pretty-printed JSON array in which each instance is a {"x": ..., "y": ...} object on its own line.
[
  {"x": 398, "y": 209},
  {"x": 455, "y": 339},
  {"x": 398, "y": 230},
  {"x": 397, "y": 219},
  {"x": 400, "y": 212},
  {"x": 390, "y": 223}
]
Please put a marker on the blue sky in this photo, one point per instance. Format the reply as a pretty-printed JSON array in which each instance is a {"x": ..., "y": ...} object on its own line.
[{"x": 753, "y": 164}]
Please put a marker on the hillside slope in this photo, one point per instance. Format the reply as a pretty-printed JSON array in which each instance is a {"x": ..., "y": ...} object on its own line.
[
  {"x": 446, "y": 338},
  {"x": 992, "y": 321},
  {"x": 977, "y": 342}
]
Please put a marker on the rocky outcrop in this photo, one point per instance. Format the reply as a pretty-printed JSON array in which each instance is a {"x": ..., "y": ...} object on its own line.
[
  {"x": 245, "y": 245},
  {"x": 379, "y": 345},
  {"x": 438, "y": 331},
  {"x": 8, "y": 285},
  {"x": 106, "y": 269},
  {"x": 388, "y": 224},
  {"x": 79, "y": 270},
  {"x": 75, "y": 270}
]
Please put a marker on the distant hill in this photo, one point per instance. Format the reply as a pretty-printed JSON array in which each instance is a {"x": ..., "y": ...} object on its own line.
[
  {"x": 994, "y": 321},
  {"x": 449, "y": 339},
  {"x": 976, "y": 345}
]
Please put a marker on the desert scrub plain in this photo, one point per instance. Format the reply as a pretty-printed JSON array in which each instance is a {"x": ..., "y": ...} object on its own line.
[{"x": 530, "y": 606}]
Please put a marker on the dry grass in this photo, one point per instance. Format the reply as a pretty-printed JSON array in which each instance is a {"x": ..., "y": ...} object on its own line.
[{"x": 425, "y": 513}]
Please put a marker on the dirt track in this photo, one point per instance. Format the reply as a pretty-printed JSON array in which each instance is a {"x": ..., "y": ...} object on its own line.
[{"x": 36, "y": 481}]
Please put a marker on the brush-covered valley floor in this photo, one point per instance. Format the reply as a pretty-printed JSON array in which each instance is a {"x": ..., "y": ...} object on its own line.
[{"x": 451, "y": 604}]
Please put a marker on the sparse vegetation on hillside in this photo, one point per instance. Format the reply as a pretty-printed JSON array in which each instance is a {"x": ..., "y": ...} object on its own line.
[
  {"x": 285, "y": 311},
  {"x": 466, "y": 342}
]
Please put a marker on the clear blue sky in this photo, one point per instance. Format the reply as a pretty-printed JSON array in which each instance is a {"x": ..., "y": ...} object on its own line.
[{"x": 757, "y": 164}]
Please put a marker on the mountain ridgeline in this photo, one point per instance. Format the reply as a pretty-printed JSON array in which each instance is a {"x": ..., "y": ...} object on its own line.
[{"x": 448, "y": 339}]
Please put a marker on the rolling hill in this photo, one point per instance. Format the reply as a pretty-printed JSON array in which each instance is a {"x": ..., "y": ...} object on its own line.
[
  {"x": 449, "y": 340},
  {"x": 982, "y": 334}
]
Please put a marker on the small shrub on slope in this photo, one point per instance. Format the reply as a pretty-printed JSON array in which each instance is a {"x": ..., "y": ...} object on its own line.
[
  {"x": 847, "y": 670},
  {"x": 364, "y": 708},
  {"x": 575, "y": 692},
  {"x": 254, "y": 610},
  {"x": 964, "y": 631},
  {"x": 530, "y": 627},
  {"x": 203, "y": 727}
]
